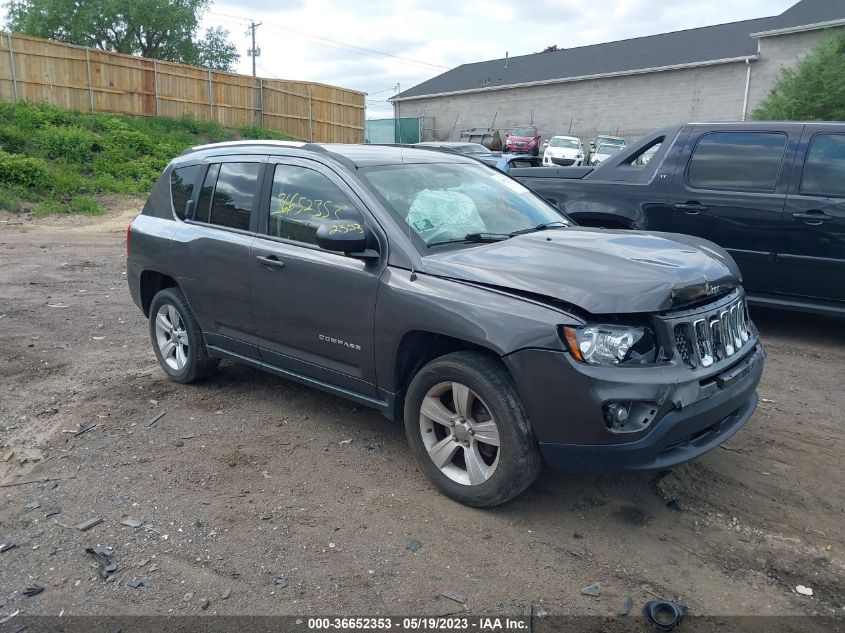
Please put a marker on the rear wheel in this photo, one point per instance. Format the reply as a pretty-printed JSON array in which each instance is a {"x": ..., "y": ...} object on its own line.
[
  {"x": 177, "y": 338},
  {"x": 469, "y": 431}
]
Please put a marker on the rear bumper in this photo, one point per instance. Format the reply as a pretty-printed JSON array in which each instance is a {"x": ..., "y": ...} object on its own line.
[{"x": 695, "y": 413}]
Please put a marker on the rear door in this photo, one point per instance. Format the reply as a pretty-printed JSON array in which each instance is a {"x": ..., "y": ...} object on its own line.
[
  {"x": 730, "y": 188},
  {"x": 811, "y": 261},
  {"x": 212, "y": 251},
  {"x": 314, "y": 309}
]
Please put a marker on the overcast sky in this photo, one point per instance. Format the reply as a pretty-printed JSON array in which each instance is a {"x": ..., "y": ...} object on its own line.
[{"x": 316, "y": 39}]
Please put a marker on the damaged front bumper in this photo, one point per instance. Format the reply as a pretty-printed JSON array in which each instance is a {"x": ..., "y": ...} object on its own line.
[{"x": 687, "y": 413}]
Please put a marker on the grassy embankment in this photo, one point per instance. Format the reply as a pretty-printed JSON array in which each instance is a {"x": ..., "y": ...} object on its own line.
[{"x": 60, "y": 161}]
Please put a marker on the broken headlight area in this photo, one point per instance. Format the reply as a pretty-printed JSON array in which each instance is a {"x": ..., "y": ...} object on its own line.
[{"x": 611, "y": 344}]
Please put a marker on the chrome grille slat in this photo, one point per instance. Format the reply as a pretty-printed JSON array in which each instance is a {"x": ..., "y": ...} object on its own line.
[{"x": 712, "y": 335}]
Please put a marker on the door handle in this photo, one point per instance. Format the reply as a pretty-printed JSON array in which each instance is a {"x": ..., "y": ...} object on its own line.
[
  {"x": 693, "y": 208},
  {"x": 813, "y": 218},
  {"x": 271, "y": 261}
]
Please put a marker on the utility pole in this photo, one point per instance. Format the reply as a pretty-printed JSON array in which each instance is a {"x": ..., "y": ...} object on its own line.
[{"x": 253, "y": 52}]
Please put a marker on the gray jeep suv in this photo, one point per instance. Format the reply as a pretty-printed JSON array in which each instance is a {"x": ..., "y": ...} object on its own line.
[{"x": 447, "y": 295}]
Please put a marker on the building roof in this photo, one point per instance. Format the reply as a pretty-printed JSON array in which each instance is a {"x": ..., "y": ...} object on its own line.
[{"x": 679, "y": 49}]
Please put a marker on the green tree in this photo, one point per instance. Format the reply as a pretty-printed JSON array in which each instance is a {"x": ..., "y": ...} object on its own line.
[
  {"x": 160, "y": 29},
  {"x": 814, "y": 91}
]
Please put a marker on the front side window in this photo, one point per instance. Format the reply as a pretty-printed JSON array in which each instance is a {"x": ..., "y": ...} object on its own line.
[
  {"x": 824, "y": 169},
  {"x": 744, "y": 161},
  {"x": 182, "y": 187},
  {"x": 444, "y": 202},
  {"x": 302, "y": 200}
]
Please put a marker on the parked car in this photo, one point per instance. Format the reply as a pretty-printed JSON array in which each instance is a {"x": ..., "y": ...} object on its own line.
[
  {"x": 499, "y": 160},
  {"x": 563, "y": 151},
  {"x": 507, "y": 162},
  {"x": 523, "y": 139},
  {"x": 604, "y": 151},
  {"x": 772, "y": 194},
  {"x": 446, "y": 295},
  {"x": 470, "y": 149}
]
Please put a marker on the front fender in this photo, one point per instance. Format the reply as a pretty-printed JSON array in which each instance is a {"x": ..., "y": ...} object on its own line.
[{"x": 496, "y": 321}]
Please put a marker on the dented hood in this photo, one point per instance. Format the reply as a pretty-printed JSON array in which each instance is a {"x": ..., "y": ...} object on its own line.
[{"x": 600, "y": 271}]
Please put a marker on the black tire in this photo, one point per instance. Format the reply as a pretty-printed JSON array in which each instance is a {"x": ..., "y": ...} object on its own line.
[
  {"x": 199, "y": 364},
  {"x": 518, "y": 461}
]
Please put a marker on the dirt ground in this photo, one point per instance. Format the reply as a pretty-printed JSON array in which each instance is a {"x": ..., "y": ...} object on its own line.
[{"x": 249, "y": 478}]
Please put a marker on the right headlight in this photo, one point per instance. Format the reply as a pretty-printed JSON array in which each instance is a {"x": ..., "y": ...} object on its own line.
[{"x": 611, "y": 344}]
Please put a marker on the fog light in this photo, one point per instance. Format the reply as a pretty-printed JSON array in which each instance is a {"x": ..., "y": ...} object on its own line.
[{"x": 616, "y": 414}]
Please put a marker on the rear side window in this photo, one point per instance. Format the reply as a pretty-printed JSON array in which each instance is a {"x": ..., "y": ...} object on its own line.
[
  {"x": 745, "y": 161},
  {"x": 227, "y": 197},
  {"x": 302, "y": 200},
  {"x": 182, "y": 187},
  {"x": 824, "y": 169}
]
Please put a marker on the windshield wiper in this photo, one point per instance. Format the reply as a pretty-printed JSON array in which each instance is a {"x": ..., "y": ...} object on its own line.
[
  {"x": 541, "y": 227},
  {"x": 475, "y": 238}
]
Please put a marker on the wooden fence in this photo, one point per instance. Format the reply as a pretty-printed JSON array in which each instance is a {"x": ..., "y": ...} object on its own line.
[{"x": 88, "y": 79}]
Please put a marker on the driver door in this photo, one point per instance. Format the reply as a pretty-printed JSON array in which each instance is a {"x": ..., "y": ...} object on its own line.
[{"x": 313, "y": 309}]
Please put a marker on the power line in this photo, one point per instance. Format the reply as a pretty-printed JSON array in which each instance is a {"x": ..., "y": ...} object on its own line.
[{"x": 360, "y": 49}]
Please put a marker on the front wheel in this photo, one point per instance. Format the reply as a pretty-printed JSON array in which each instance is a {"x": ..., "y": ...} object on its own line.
[
  {"x": 469, "y": 431},
  {"x": 177, "y": 338}
]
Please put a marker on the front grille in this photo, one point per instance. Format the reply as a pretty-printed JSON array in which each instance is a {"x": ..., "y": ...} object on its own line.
[
  {"x": 563, "y": 162},
  {"x": 712, "y": 335}
]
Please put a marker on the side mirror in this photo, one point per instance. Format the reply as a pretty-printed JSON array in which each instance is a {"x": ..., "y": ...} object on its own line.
[
  {"x": 545, "y": 143},
  {"x": 346, "y": 237}
]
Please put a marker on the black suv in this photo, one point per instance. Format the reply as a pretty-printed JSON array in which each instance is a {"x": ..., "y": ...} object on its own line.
[{"x": 447, "y": 295}]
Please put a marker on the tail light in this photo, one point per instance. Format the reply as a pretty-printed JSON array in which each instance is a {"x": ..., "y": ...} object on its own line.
[{"x": 128, "y": 238}]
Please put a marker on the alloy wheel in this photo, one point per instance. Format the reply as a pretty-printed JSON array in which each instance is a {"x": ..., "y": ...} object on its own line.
[
  {"x": 171, "y": 337},
  {"x": 459, "y": 433}
]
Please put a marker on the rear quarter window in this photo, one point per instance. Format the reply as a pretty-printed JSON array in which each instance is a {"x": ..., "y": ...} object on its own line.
[{"x": 182, "y": 181}]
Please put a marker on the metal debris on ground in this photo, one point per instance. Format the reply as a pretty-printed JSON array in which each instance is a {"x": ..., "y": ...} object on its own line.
[
  {"x": 87, "y": 525},
  {"x": 132, "y": 522},
  {"x": 156, "y": 419},
  {"x": 53, "y": 511},
  {"x": 137, "y": 583},
  {"x": 454, "y": 595},
  {"x": 281, "y": 582},
  {"x": 349, "y": 441},
  {"x": 103, "y": 554},
  {"x": 414, "y": 546},
  {"x": 9, "y": 617},
  {"x": 79, "y": 430},
  {"x": 33, "y": 590},
  {"x": 626, "y": 608},
  {"x": 42, "y": 480},
  {"x": 593, "y": 590},
  {"x": 528, "y": 615},
  {"x": 33, "y": 505},
  {"x": 804, "y": 591},
  {"x": 5, "y": 547}
]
